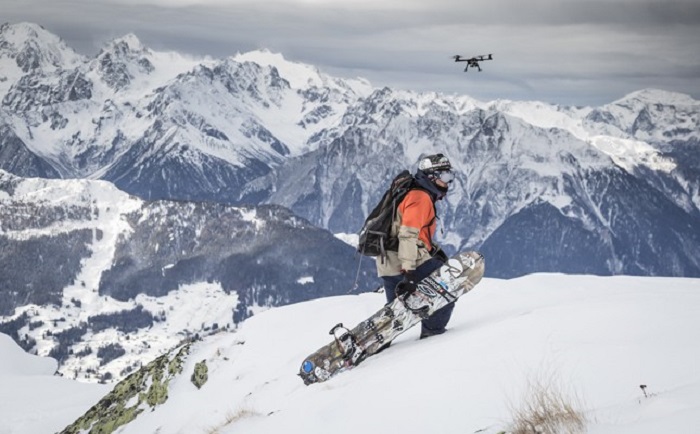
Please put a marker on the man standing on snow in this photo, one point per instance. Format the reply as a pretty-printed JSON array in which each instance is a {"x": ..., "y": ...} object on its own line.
[{"x": 414, "y": 225}]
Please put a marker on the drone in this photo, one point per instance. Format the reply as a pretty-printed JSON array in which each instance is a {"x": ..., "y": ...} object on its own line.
[{"x": 473, "y": 61}]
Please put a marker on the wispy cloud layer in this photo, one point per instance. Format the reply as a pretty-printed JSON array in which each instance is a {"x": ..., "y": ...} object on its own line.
[{"x": 563, "y": 51}]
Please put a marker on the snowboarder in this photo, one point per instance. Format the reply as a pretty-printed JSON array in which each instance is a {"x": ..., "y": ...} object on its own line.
[{"x": 414, "y": 225}]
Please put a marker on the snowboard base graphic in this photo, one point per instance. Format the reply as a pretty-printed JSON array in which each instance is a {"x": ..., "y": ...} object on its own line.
[{"x": 351, "y": 346}]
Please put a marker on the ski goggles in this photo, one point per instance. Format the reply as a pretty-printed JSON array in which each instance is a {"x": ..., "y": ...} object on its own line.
[{"x": 445, "y": 176}]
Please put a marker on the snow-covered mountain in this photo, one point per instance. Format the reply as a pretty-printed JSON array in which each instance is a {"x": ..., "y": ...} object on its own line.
[
  {"x": 534, "y": 190},
  {"x": 586, "y": 341},
  {"x": 26, "y": 48},
  {"x": 161, "y": 125},
  {"x": 607, "y": 190},
  {"x": 90, "y": 274}
]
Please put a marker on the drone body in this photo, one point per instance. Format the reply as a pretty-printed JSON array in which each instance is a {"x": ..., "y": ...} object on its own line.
[{"x": 472, "y": 61}]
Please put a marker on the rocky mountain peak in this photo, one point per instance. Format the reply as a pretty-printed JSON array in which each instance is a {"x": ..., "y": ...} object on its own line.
[
  {"x": 21, "y": 33},
  {"x": 34, "y": 48},
  {"x": 128, "y": 43},
  {"x": 122, "y": 60},
  {"x": 299, "y": 76},
  {"x": 303, "y": 76},
  {"x": 650, "y": 96},
  {"x": 652, "y": 115}
]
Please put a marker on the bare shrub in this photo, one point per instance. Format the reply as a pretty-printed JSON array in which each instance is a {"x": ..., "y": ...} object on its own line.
[
  {"x": 233, "y": 417},
  {"x": 547, "y": 408}
]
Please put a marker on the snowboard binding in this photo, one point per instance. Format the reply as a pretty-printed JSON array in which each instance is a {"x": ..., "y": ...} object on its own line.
[
  {"x": 347, "y": 344},
  {"x": 417, "y": 303}
]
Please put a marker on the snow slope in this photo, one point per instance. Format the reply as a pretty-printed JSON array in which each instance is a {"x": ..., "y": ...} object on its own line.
[
  {"x": 599, "y": 338},
  {"x": 32, "y": 400}
]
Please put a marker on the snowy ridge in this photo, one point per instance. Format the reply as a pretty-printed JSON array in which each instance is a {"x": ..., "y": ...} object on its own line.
[
  {"x": 630, "y": 154},
  {"x": 652, "y": 115},
  {"x": 315, "y": 100},
  {"x": 15, "y": 362},
  {"x": 544, "y": 115},
  {"x": 657, "y": 96},
  {"x": 301, "y": 76},
  {"x": 33, "y": 399},
  {"x": 26, "y": 47},
  {"x": 143, "y": 69},
  {"x": 35, "y": 48}
]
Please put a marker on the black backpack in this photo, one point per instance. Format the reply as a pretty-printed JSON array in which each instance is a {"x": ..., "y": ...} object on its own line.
[{"x": 375, "y": 235}]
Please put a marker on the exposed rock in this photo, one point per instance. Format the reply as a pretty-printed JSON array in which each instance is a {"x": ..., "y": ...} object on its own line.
[
  {"x": 200, "y": 374},
  {"x": 145, "y": 389}
]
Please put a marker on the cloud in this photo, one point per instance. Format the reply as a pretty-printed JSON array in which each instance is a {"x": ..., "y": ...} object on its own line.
[{"x": 556, "y": 50}]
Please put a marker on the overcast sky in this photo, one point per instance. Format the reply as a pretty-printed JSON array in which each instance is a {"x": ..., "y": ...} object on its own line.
[{"x": 574, "y": 52}]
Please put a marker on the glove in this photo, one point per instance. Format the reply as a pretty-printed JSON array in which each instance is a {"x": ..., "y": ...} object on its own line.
[
  {"x": 440, "y": 254},
  {"x": 408, "y": 285}
]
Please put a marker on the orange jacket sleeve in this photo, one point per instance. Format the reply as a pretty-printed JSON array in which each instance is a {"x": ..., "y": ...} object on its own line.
[{"x": 417, "y": 226}]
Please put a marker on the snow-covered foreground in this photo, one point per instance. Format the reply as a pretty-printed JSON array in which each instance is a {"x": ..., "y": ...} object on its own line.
[
  {"x": 32, "y": 399},
  {"x": 600, "y": 338}
]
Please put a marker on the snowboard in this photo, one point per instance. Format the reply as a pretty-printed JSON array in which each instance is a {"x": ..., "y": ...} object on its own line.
[{"x": 352, "y": 346}]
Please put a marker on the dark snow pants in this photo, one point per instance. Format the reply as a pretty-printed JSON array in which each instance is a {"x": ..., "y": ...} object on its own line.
[{"x": 436, "y": 323}]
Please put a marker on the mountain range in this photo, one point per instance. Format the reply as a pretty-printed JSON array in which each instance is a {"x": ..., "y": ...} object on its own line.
[
  {"x": 616, "y": 187},
  {"x": 196, "y": 146}
]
